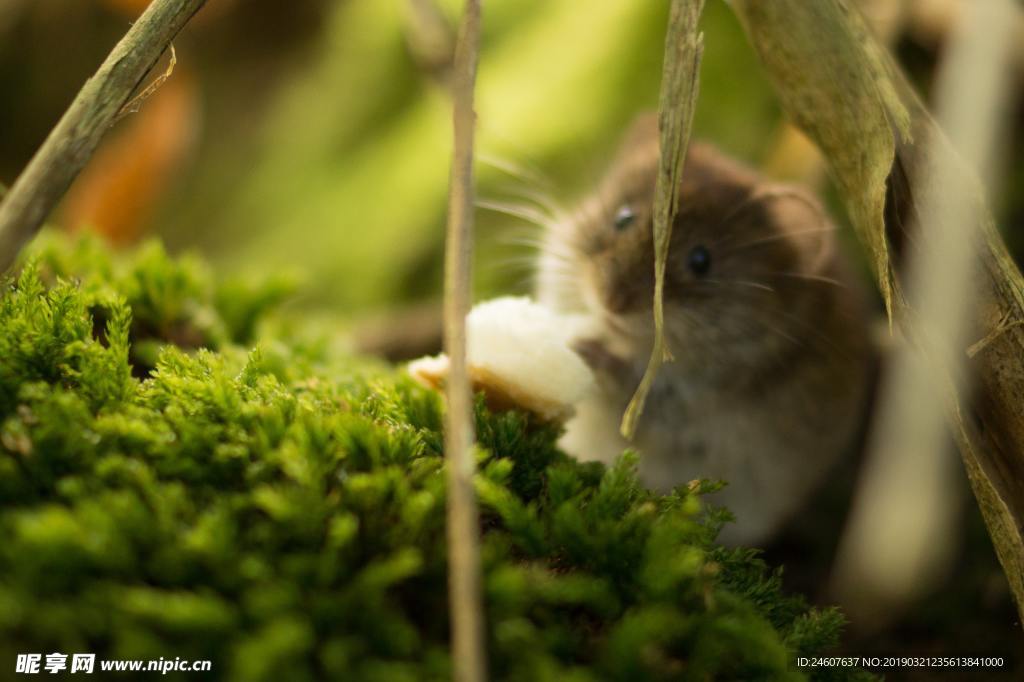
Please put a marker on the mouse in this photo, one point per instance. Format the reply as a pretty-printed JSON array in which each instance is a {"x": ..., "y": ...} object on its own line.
[{"x": 767, "y": 320}]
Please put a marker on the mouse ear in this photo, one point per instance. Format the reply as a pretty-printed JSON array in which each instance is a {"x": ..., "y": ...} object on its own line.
[{"x": 804, "y": 220}]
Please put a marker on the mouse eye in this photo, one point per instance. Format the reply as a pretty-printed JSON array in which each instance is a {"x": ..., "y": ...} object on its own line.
[
  {"x": 699, "y": 260},
  {"x": 624, "y": 217}
]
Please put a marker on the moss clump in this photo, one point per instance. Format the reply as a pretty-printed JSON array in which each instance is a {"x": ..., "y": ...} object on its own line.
[{"x": 283, "y": 516}]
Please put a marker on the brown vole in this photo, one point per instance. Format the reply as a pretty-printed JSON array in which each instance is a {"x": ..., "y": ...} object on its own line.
[{"x": 768, "y": 327}]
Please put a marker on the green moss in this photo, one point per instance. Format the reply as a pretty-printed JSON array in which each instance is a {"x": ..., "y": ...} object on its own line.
[{"x": 166, "y": 493}]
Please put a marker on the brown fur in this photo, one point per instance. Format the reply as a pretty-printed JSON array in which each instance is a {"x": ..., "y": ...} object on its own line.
[{"x": 771, "y": 344}]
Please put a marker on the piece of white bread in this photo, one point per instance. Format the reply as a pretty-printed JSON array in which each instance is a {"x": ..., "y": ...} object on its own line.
[{"x": 519, "y": 355}]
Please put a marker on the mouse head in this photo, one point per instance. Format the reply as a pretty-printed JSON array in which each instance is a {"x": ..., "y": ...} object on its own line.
[{"x": 747, "y": 260}]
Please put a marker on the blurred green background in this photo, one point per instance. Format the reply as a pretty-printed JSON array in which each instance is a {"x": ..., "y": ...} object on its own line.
[
  {"x": 315, "y": 141},
  {"x": 313, "y": 137}
]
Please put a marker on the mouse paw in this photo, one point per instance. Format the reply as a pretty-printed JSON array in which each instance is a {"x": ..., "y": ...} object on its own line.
[{"x": 597, "y": 356}]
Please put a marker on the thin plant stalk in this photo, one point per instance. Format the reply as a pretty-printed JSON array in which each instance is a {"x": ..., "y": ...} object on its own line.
[
  {"x": 76, "y": 136},
  {"x": 680, "y": 77},
  {"x": 469, "y": 660}
]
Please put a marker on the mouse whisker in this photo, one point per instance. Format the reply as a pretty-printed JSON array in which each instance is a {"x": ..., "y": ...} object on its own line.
[
  {"x": 561, "y": 273},
  {"x": 542, "y": 200},
  {"x": 740, "y": 282},
  {"x": 525, "y": 262},
  {"x": 561, "y": 287},
  {"x": 532, "y": 243},
  {"x": 797, "y": 342},
  {"x": 517, "y": 170},
  {"x": 811, "y": 330},
  {"x": 754, "y": 324},
  {"x": 810, "y": 278},
  {"x": 558, "y": 252},
  {"x": 525, "y": 212},
  {"x": 557, "y": 263},
  {"x": 680, "y": 337},
  {"x": 791, "y": 321},
  {"x": 776, "y": 237},
  {"x": 526, "y": 283},
  {"x": 558, "y": 256},
  {"x": 531, "y": 240}
]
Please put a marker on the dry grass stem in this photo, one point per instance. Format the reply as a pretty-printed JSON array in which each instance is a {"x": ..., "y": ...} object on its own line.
[
  {"x": 469, "y": 658},
  {"x": 899, "y": 533},
  {"x": 905, "y": 186},
  {"x": 133, "y": 105},
  {"x": 72, "y": 142},
  {"x": 684, "y": 47}
]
